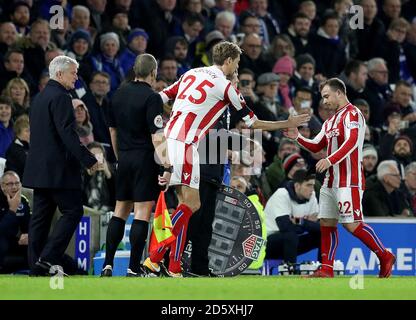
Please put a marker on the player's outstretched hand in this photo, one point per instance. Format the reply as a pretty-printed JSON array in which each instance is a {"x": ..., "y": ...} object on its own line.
[
  {"x": 291, "y": 133},
  {"x": 164, "y": 180},
  {"x": 298, "y": 120},
  {"x": 322, "y": 165}
]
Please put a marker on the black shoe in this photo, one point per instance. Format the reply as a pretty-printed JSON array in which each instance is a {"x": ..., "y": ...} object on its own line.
[
  {"x": 47, "y": 269},
  {"x": 107, "y": 271},
  {"x": 140, "y": 274}
]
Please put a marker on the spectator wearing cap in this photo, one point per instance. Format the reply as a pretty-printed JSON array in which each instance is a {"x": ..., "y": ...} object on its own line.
[
  {"x": 20, "y": 16},
  {"x": 267, "y": 108},
  {"x": 284, "y": 69},
  {"x": 328, "y": 49},
  {"x": 382, "y": 197},
  {"x": 291, "y": 164},
  {"x": 136, "y": 44},
  {"x": 291, "y": 219},
  {"x": 106, "y": 60},
  {"x": 377, "y": 90},
  {"x": 370, "y": 160},
  {"x": 83, "y": 124},
  {"x": 203, "y": 56},
  {"x": 299, "y": 33},
  {"x": 252, "y": 57},
  {"x": 120, "y": 25},
  {"x": 177, "y": 46}
]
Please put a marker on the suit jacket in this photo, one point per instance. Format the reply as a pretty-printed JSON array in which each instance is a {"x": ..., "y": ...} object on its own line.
[{"x": 55, "y": 152}]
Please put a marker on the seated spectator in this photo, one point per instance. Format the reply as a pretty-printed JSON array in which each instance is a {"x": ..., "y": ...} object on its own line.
[
  {"x": 363, "y": 106},
  {"x": 284, "y": 69},
  {"x": 328, "y": 48},
  {"x": 370, "y": 160},
  {"x": 246, "y": 85},
  {"x": 120, "y": 26},
  {"x": 275, "y": 172},
  {"x": 382, "y": 197},
  {"x": 168, "y": 69},
  {"x": 291, "y": 164},
  {"x": 83, "y": 124},
  {"x": 20, "y": 16},
  {"x": 304, "y": 77},
  {"x": 136, "y": 44},
  {"x": 79, "y": 48},
  {"x": 323, "y": 113},
  {"x": 191, "y": 29},
  {"x": 8, "y": 37},
  {"x": 302, "y": 101},
  {"x": 81, "y": 19},
  {"x": 203, "y": 56},
  {"x": 6, "y": 128},
  {"x": 106, "y": 60},
  {"x": 18, "y": 91},
  {"x": 17, "y": 152},
  {"x": 281, "y": 46},
  {"x": 252, "y": 55},
  {"x": 402, "y": 97},
  {"x": 178, "y": 48},
  {"x": 224, "y": 23},
  {"x": 299, "y": 33},
  {"x": 291, "y": 219},
  {"x": 408, "y": 189},
  {"x": 99, "y": 186},
  {"x": 355, "y": 75},
  {"x": 399, "y": 149},
  {"x": 14, "y": 224},
  {"x": 14, "y": 67}
]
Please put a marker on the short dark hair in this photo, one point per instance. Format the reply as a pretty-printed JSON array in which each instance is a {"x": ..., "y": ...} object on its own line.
[
  {"x": 10, "y": 52},
  {"x": 329, "y": 15},
  {"x": 304, "y": 89},
  {"x": 224, "y": 50},
  {"x": 353, "y": 66},
  {"x": 100, "y": 73},
  {"x": 6, "y": 100},
  {"x": 302, "y": 175},
  {"x": 247, "y": 71},
  {"x": 360, "y": 102},
  {"x": 299, "y": 15},
  {"x": 403, "y": 83},
  {"x": 192, "y": 18},
  {"x": 335, "y": 84}
]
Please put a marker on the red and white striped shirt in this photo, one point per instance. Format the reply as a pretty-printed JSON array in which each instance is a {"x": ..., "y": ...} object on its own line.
[
  {"x": 201, "y": 96},
  {"x": 343, "y": 135}
]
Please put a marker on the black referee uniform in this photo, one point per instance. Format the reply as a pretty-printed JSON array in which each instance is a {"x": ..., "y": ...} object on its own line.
[{"x": 136, "y": 113}]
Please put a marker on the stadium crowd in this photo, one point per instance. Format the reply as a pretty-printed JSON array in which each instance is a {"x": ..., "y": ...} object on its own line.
[{"x": 289, "y": 47}]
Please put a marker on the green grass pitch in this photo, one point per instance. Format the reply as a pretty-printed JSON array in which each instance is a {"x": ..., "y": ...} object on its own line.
[{"x": 242, "y": 287}]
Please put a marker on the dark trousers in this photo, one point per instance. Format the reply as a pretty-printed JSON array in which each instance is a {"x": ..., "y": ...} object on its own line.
[
  {"x": 200, "y": 227},
  {"x": 288, "y": 245},
  {"x": 45, "y": 202},
  {"x": 13, "y": 257}
]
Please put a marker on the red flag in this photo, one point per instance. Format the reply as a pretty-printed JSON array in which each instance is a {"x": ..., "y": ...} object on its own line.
[{"x": 162, "y": 234}]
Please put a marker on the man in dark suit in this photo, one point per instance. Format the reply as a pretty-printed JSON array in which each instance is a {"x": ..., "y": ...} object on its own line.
[{"x": 53, "y": 168}]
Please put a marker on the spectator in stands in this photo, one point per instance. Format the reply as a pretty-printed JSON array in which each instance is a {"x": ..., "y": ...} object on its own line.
[
  {"x": 392, "y": 49},
  {"x": 18, "y": 91},
  {"x": 83, "y": 123},
  {"x": 99, "y": 17},
  {"x": 377, "y": 91},
  {"x": 81, "y": 19},
  {"x": 391, "y": 10},
  {"x": 275, "y": 172},
  {"x": 370, "y": 160},
  {"x": 382, "y": 196},
  {"x": 308, "y": 8},
  {"x": 370, "y": 37},
  {"x": 160, "y": 23},
  {"x": 363, "y": 106},
  {"x": 291, "y": 164},
  {"x": 249, "y": 23},
  {"x": 252, "y": 55},
  {"x": 178, "y": 47},
  {"x": 20, "y": 16},
  {"x": 302, "y": 101},
  {"x": 120, "y": 25},
  {"x": 281, "y": 46},
  {"x": 299, "y": 33},
  {"x": 399, "y": 149},
  {"x": 267, "y": 108},
  {"x": 328, "y": 48},
  {"x": 408, "y": 189},
  {"x": 14, "y": 222},
  {"x": 60, "y": 36},
  {"x": 14, "y": 66},
  {"x": 99, "y": 186},
  {"x": 225, "y": 23},
  {"x": 6, "y": 128},
  {"x": 355, "y": 75},
  {"x": 304, "y": 77},
  {"x": 44, "y": 78},
  {"x": 97, "y": 103},
  {"x": 284, "y": 69},
  {"x": 203, "y": 56},
  {"x": 291, "y": 219},
  {"x": 402, "y": 97},
  {"x": 35, "y": 46},
  {"x": 8, "y": 36},
  {"x": 136, "y": 44},
  {"x": 17, "y": 152},
  {"x": 106, "y": 60},
  {"x": 269, "y": 27},
  {"x": 246, "y": 85},
  {"x": 192, "y": 27},
  {"x": 168, "y": 69}
]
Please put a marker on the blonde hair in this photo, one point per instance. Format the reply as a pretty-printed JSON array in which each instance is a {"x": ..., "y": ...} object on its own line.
[
  {"x": 18, "y": 82},
  {"x": 20, "y": 124}
]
